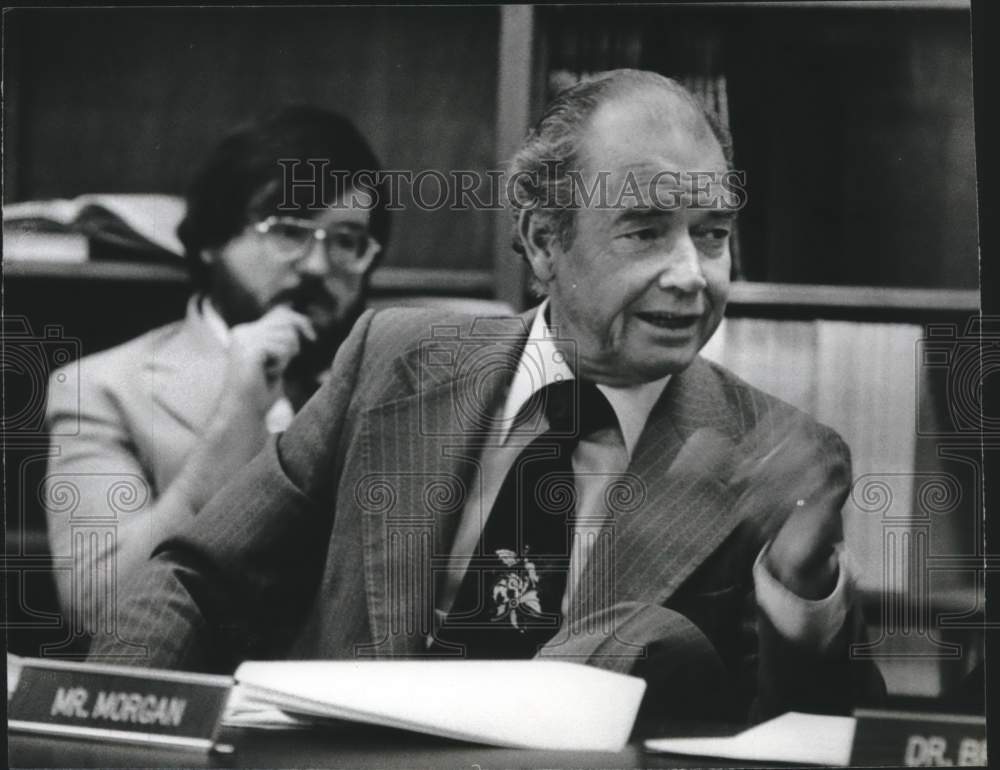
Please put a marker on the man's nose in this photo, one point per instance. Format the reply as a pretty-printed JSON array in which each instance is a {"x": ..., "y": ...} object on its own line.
[
  {"x": 314, "y": 261},
  {"x": 682, "y": 269}
]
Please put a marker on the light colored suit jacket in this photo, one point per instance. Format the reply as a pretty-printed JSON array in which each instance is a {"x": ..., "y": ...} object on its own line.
[
  {"x": 119, "y": 438},
  {"x": 332, "y": 543}
]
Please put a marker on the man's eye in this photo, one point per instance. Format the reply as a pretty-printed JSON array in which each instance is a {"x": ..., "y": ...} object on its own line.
[
  {"x": 290, "y": 232},
  {"x": 348, "y": 241},
  {"x": 713, "y": 233},
  {"x": 644, "y": 234}
]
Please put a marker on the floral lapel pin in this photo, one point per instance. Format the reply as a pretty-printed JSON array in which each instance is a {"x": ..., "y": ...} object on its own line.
[{"x": 516, "y": 590}]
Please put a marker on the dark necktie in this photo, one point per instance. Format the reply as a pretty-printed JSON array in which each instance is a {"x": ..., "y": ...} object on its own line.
[{"x": 509, "y": 601}]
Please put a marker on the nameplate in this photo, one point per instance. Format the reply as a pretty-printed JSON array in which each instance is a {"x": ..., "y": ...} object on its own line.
[
  {"x": 918, "y": 740},
  {"x": 118, "y": 703}
]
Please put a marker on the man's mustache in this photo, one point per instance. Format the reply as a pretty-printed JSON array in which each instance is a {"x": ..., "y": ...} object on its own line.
[{"x": 308, "y": 292}]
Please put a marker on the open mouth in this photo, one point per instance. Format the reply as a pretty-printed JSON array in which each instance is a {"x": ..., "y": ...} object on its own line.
[{"x": 671, "y": 321}]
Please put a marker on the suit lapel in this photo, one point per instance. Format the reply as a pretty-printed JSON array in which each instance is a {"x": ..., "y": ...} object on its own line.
[
  {"x": 419, "y": 453},
  {"x": 418, "y": 457},
  {"x": 684, "y": 510}
]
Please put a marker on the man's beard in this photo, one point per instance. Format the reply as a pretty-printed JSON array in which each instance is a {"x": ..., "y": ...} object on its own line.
[
  {"x": 311, "y": 298},
  {"x": 315, "y": 357}
]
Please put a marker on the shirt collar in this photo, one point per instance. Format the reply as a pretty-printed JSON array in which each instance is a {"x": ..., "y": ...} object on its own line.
[
  {"x": 200, "y": 306},
  {"x": 541, "y": 364}
]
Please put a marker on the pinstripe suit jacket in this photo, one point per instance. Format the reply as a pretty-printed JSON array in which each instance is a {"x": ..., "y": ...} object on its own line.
[{"x": 332, "y": 542}]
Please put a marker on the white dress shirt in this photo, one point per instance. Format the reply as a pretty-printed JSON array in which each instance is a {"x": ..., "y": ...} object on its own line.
[{"x": 602, "y": 455}]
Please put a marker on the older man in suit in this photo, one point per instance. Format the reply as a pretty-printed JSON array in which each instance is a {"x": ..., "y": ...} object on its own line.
[
  {"x": 575, "y": 483},
  {"x": 162, "y": 421}
]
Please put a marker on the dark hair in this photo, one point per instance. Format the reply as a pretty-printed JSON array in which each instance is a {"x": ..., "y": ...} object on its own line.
[
  {"x": 242, "y": 178},
  {"x": 551, "y": 147}
]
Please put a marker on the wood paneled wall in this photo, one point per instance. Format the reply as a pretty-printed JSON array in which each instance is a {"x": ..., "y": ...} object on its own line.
[
  {"x": 854, "y": 126},
  {"x": 129, "y": 100}
]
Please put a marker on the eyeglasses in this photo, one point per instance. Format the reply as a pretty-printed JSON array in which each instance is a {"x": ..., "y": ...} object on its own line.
[{"x": 292, "y": 240}]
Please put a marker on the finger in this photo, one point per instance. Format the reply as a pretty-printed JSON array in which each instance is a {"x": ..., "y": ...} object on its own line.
[
  {"x": 276, "y": 315},
  {"x": 274, "y": 367},
  {"x": 269, "y": 343},
  {"x": 373, "y": 250},
  {"x": 285, "y": 316},
  {"x": 275, "y": 363},
  {"x": 285, "y": 335},
  {"x": 807, "y": 540},
  {"x": 304, "y": 327},
  {"x": 282, "y": 346}
]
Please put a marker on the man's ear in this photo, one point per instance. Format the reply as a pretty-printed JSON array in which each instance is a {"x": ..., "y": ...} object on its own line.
[{"x": 539, "y": 241}]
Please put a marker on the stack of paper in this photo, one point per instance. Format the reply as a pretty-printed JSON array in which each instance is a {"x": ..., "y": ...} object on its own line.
[
  {"x": 141, "y": 224},
  {"x": 521, "y": 704},
  {"x": 243, "y": 710},
  {"x": 792, "y": 737}
]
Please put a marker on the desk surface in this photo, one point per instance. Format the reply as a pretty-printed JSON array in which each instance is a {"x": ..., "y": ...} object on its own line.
[{"x": 346, "y": 746}]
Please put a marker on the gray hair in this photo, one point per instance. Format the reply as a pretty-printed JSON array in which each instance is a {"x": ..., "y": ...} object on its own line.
[{"x": 537, "y": 172}]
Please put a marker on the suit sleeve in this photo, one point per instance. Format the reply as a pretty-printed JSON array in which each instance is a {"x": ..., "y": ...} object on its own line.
[
  {"x": 814, "y": 622},
  {"x": 815, "y": 672},
  {"x": 101, "y": 506},
  {"x": 232, "y": 583}
]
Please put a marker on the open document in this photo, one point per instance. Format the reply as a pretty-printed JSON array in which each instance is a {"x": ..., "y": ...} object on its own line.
[
  {"x": 521, "y": 704},
  {"x": 794, "y": 737}
]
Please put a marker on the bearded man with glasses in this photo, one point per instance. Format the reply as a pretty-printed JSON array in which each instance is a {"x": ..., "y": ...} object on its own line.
[{"x": 280, "y": 260}]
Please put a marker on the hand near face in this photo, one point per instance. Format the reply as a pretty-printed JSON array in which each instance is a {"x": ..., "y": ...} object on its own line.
[{"x": 258, "y": 354}]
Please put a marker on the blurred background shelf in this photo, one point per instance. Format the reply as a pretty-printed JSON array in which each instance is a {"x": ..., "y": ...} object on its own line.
[
  {"x": 835, "y": 110},
  {"x": 143, "y": 272},
  {"x": 747, "y": 298},
  {"x": 386, "y": 280},
  {"x": 854, "y": 303}
]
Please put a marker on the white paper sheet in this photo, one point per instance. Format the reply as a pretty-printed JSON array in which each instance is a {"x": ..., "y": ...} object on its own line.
[
  {"x": 242, "y": 710},
  {"x": 524, "y": 704},
  {"x": 792, "y": 737}
]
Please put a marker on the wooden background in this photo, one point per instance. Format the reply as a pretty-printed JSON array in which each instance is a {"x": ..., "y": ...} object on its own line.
[
  {"x": 854, "y": 126},
  {"x": 130, "y": 100}
]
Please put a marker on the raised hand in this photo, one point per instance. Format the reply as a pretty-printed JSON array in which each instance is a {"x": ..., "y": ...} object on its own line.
[
  {"x": 791, "y": 481},
  {"x": 259, "y": 353},
  {"x": 798, "y": 483}
]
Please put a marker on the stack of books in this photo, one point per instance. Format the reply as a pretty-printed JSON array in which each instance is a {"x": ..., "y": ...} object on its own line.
[{"x": 94, "y": 227}]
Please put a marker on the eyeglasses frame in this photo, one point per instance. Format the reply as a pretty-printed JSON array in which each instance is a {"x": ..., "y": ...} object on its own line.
[{"x": 357, "y": 265}]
